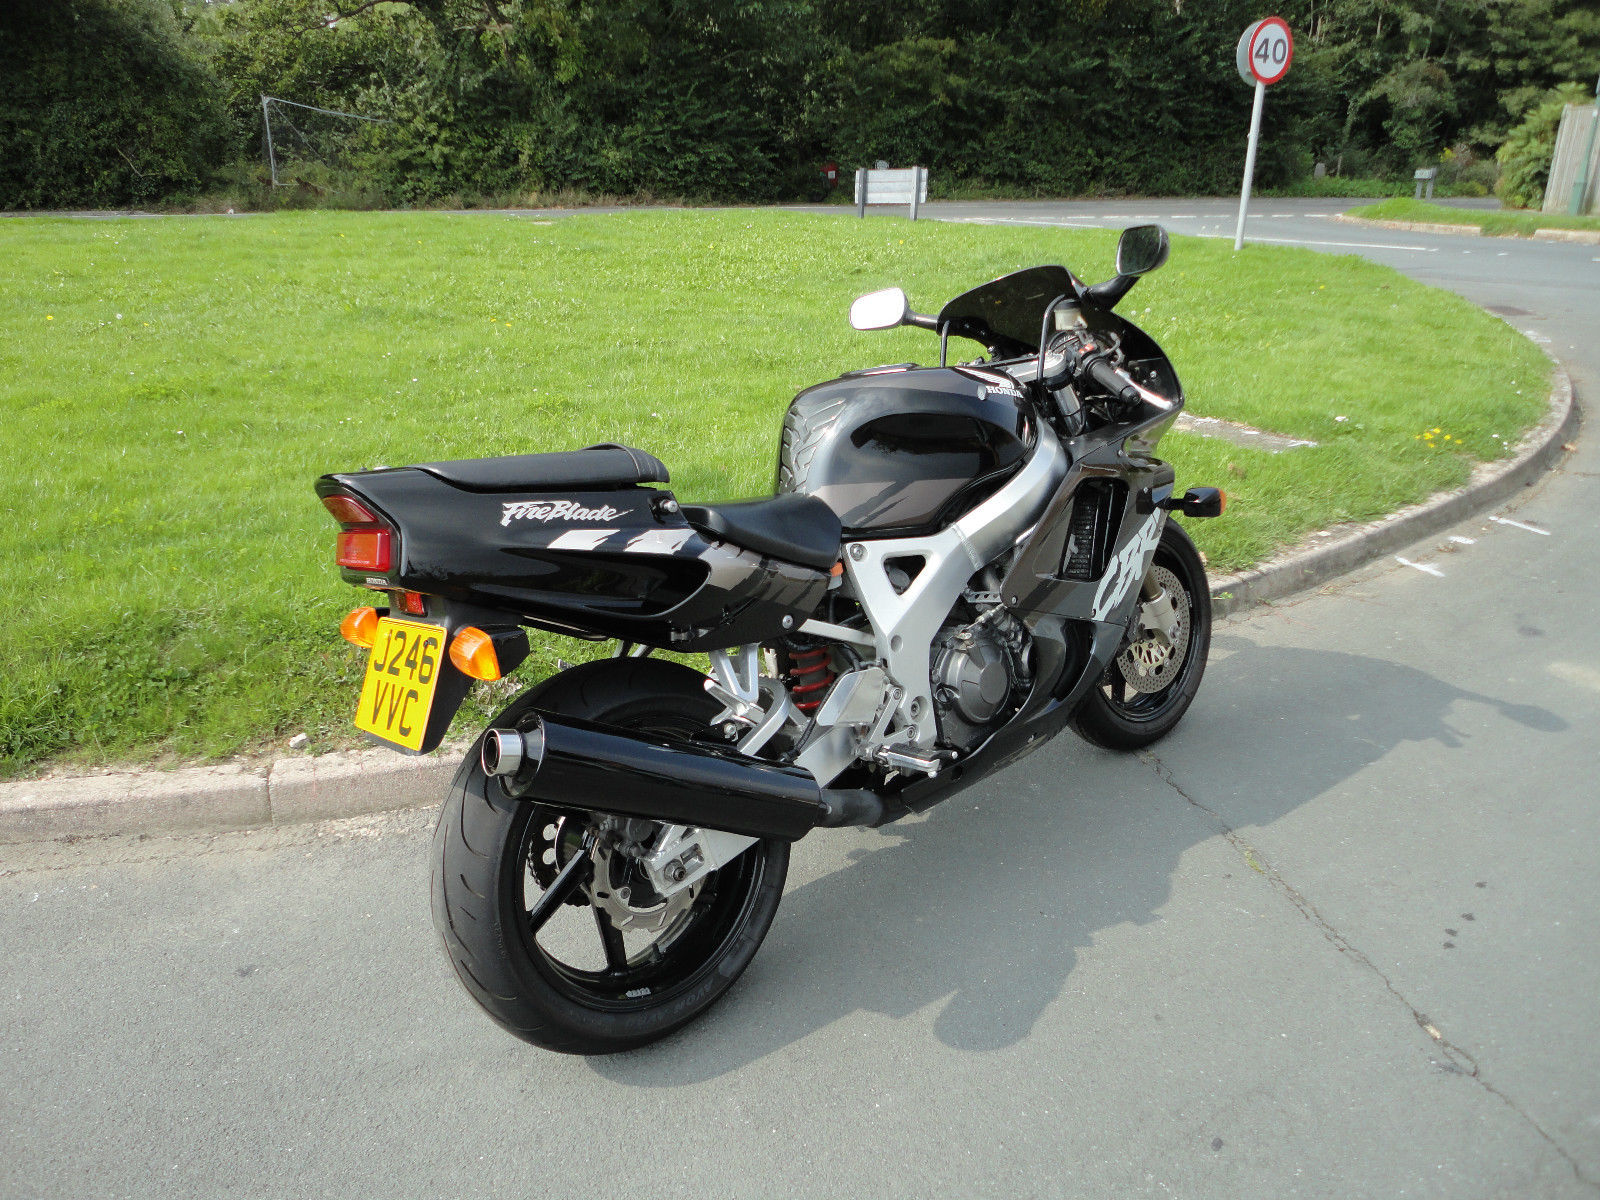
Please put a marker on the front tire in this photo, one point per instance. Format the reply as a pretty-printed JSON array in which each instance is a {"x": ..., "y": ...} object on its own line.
[
  {"x": 576, "y": 985},
  {"x": 1116, "y": 714}
]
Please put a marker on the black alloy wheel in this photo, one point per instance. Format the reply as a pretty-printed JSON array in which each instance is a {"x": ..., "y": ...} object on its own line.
[
  {"x": 552, "y": 927},
  {"x": 1138, "y": 700}
]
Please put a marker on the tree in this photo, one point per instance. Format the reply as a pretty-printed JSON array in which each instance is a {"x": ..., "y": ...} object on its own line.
[{"x": 106, "y": 103}]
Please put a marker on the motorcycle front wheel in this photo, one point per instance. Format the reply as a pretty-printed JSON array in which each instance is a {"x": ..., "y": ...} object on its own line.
[
  {"x": 615, "y": 966},
  {"x": 1150, "y": 685}
]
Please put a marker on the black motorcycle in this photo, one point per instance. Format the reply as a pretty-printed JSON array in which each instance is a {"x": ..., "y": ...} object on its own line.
[{"x": 958, "y": 562}]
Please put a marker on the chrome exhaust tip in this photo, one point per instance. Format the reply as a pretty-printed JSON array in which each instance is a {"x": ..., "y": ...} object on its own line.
[{"x": 507, "y": 751}]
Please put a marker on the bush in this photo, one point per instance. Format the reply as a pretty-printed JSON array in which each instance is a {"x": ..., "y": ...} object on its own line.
[
  {"x": 1525, "y": 157},
  {"x": 105, "y": 105}
]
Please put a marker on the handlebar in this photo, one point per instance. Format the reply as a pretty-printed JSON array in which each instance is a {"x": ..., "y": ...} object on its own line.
[
  {"x": 1085, "y": 354},
  {"x": 1113, "y": 379}
]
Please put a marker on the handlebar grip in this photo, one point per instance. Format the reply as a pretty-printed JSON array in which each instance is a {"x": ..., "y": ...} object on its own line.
[{"x": 1117, "y": 382}]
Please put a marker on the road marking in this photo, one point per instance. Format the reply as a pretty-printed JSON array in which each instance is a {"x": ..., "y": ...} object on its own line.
[
  {"x": 1464, "y": 541},
  {"x": 1079, "y": 224},
  {"x": 1023, "y": 221},
  {"x": 1520, "y": 525},
  {"x": 1576, "y": 673},
  {"x": 1419, "y": 566},
  {"x": 1347, "y": 245}
]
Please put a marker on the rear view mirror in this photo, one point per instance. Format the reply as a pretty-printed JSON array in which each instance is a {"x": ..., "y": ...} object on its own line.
[
  {"x": 880, "y": 310},
  {"x": 1142, "y": 249}
]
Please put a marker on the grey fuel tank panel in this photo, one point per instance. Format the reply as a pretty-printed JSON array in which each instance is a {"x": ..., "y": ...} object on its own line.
[{"x": 899, "y": 451}]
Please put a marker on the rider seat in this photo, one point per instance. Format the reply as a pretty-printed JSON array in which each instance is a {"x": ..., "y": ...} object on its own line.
[
  {"x": 599, "y": 468},
  {"x": 796, "y": 528}
]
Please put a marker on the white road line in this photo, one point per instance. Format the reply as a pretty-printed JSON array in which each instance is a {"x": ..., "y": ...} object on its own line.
[
  {"x": 1419, "y": 566},
  {"x": 1348, "y": 245},
  {"x": 1576, "y": 673},
  {"x": 1520, "y": 525},
  {"x": 1464, "y": 541},
  {"x": 1018, "y": 221}
]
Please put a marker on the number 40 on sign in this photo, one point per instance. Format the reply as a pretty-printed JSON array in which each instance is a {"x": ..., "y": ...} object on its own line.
[{"x": 1265, "y": 51}]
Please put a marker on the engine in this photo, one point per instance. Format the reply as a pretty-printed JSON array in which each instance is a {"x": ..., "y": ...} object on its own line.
[{"x": 979, "y": 671}]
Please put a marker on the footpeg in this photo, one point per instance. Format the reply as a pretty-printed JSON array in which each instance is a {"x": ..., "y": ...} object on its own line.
[{"x": 909, "y": 758}]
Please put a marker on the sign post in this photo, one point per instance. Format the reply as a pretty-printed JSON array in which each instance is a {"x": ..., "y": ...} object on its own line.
[{"x": 1263, "y": 56}]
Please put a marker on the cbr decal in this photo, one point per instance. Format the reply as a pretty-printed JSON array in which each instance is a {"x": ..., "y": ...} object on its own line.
[
  {"x": 1127, "y": 568},
  {"x": 551, "y": 510}
]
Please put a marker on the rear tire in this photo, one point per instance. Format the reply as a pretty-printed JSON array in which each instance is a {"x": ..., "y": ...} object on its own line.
[
  {"x": 1116, "y": 716},
  {"x": 485, "y": 849}
]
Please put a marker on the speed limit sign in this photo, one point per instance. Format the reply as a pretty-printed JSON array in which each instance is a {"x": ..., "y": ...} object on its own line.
[{"x": 1265, "y": 51}]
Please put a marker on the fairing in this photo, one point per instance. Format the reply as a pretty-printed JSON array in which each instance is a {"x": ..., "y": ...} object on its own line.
[{"x": 619, "y": 563}]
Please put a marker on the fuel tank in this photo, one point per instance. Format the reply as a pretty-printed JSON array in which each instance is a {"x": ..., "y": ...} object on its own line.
[{"x": 901, "y": 451}]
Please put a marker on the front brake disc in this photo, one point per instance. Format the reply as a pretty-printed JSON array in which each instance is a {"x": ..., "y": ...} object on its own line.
[{"x": 1147, "y": 664}]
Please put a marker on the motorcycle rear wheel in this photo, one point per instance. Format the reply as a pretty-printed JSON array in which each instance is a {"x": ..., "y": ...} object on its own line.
[
  {"x": 576, "y": 985},
  {"x": 1118, "y": 717}
]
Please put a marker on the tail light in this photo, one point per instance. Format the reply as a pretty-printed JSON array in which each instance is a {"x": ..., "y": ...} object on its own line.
[{"x": 365, "y": 542}]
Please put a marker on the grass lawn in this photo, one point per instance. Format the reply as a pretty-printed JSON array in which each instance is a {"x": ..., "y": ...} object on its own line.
[
  {"x": 1495, "y": 222},
  {"x": 171, "y": 388}
]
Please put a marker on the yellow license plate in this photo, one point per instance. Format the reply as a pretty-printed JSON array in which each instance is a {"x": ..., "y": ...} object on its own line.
[{"x": 402, "y": 672}]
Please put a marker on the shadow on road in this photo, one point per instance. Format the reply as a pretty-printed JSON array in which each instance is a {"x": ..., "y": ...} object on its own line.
[{"x": 983, "y": 903}]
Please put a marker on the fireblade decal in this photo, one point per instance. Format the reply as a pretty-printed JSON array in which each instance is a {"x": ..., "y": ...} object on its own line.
[
  {"x": 1127, "y": 569},
  {"x": 557, "y": 510}
]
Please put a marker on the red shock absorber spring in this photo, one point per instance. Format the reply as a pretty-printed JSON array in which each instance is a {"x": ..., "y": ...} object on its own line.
[{"x": 809, "y": 676}]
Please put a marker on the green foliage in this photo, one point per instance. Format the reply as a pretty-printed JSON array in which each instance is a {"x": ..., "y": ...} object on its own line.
[
  {"x": 1525, "y": 156},
  {"x": 743, "y": 100},
  {"x": 105, "y": 103},
  {"x": 169, "y": 588}
]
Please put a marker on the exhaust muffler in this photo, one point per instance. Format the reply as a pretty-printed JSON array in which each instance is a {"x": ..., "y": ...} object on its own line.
[{"x": 584, "y": 765}]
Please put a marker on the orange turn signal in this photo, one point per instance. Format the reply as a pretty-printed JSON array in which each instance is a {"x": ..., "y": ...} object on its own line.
[
  {"x": 472, "y": 651},
  {"x": 360, "y": 628}
]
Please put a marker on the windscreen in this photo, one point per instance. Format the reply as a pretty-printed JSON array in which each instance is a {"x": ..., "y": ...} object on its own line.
[{"x": 1006, "y": 313}]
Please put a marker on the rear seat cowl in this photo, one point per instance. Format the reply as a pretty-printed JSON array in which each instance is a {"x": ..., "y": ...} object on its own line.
[{"x": 597, "y": 468}]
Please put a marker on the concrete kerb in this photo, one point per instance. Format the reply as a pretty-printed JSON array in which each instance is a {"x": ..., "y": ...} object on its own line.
[
  {"x": 1589, "y": 237},
  {"x": 214, "y": 799},
  {"x": 1492, "y": 483},
  {"x": 352, "y": 783}
]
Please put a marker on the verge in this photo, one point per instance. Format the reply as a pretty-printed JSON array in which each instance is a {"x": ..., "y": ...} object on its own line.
[
  {"x": 1588, "y": 237},
  {"x": 352, "y": 783}
]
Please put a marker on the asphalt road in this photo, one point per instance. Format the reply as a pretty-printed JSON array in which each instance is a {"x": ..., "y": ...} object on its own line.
[{"x": 1336, "y": 937}]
